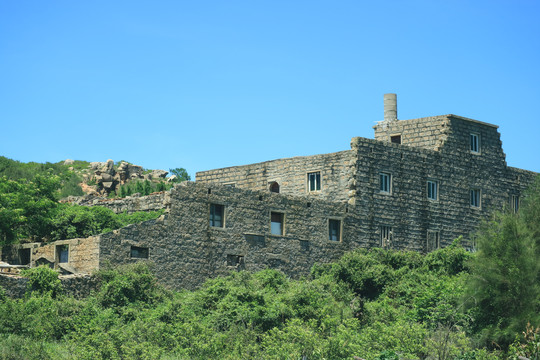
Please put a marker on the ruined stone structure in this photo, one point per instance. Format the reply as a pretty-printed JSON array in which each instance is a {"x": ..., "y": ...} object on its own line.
[{"x": 418, "y": 185}]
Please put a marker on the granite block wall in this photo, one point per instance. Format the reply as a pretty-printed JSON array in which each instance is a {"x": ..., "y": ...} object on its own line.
[
  {"x": 290, "y": 174},
  {"x": 186, "y": 250}
]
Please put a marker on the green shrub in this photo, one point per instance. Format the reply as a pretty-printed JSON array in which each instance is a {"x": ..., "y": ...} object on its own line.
[{"x": 42, "y": 280}]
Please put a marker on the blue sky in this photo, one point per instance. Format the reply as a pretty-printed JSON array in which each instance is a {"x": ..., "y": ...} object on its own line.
[{"x": 209, "y": 84}]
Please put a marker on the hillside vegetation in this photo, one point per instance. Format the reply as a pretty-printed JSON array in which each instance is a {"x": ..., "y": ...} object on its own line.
[{"x": 30, "y": 208}]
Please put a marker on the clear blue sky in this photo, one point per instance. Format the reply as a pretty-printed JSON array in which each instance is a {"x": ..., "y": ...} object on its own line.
[{"x": 209, "y": 84}]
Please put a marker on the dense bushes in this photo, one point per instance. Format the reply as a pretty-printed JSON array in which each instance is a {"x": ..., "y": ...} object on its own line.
[
  {"x": 404, "y": 306},
  {"x": 29, "y": 209}
]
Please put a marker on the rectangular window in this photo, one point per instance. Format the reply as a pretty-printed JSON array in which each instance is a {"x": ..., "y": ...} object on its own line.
[
  {"x": 432, "y": 241},
  {"x": 475, "y": 198},
  {"x": 314, "y": 181},
  {"x": 433, "y": 190},
  {"x": 217, "y": 213},
  {"x": 235, "y": 260},
  {"x": 385, "y": 182},
  {"x": 62, "y": 253},
  {"x": 515, "y": 203},
  {"x": 386, "y": 236},
  {"x": 139, "y": 252},
  {"x": 396, "y": 139},
  {"x": 334, "y": 230},
  {"x": 475, "y": 143},
  {"x": 24, "y": 256},
  {"x": 276, "y": 223}
]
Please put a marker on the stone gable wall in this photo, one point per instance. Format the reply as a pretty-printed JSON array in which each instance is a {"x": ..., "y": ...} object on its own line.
[
  {"x": 408, "y": 210},
  {"x": 290, "y": 174},
  {"x": 186, "y": 250}
]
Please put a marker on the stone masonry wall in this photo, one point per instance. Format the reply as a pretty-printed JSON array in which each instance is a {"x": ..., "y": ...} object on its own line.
[
  {"x": 426, "y": 133},
  {"x": 290, "y": 174},
  {"x": 132, "y": 204},
  {"x": 407, "y": 209},
  {"x": 83, "y": 254},
  {"x": 186, "y": 250},
  {"x": 78, "y": 286}
]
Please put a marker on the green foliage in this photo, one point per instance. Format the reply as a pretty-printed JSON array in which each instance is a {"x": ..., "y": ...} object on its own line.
[
  {"x": 42, "y": 280},
  {"x": 26, "y": 207},
  {"x": 69, "y": 181},
  {"x": 505, "y": 289},
  {"x": 128, "y": 285},
  {"x": 181, "y": 175}
]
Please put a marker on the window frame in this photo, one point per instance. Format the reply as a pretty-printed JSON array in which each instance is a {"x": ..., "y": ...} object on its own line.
[
  {"x": 331, "y": 233},
  {"x": 387, "y": 189},
  {"x": 212, "y": 215},
  {"x": 431, "y": 185},
  {"x": 394, "y": 137},
  {"x": 59, "y": 251},
  {"x": 474, "y": 143},
  {"x": 437, "y": 234},
  {"x": 515, "y": 203},
  {"x": 386, "y": 236},
  {"x": 475, "y": 198},
  {"x": 317, "y": 184},
  {"x": 281, "y": 222}
]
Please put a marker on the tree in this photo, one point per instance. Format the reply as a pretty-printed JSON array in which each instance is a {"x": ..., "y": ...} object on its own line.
[
  {"x": 505, "y": 290},
  {"x": 181, "y": 175}
]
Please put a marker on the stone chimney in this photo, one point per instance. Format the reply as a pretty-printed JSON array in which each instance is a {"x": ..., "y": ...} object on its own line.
[{"x": 390, "y": 107}]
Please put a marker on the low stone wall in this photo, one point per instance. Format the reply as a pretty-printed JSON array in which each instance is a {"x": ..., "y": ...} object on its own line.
[
  {"x": 78, "y": 286},
  {"x": 131, "y": 204}
]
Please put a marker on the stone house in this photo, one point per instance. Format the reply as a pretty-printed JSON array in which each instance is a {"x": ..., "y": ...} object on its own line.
[{"x": 418, "y": 185}]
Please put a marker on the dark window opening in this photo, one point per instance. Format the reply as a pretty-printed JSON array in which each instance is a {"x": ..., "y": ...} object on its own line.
[
  {"x": 274, "y": 187},
  {"x": 384, "y": 182},
  {"x": 334, "y": 230},
  {"x": 314, "y": 181},
  {"x": 308, "y": 204},
  {"x": 475, "y": 198},
  {"x": 475, "y": 143},
  {"x": 515, "y": 203},
  {"x": 386, "y": 237},
  {"x": 255, "y": 240},
  {"x": 235, "y": 260},
  {"x": 139, "y": 252},
  {"x": 276, "y": 223},
  {"x": 209, "y": 191},
  {"x": 24, "y": 256},
  {"x": 217, "y": 215},
  {"x": 62, "y": 253},
  {"x": 432, "y": 241},
  {"x": 396, "y": 139}
]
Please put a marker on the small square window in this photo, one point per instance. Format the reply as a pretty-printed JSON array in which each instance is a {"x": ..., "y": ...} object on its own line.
[
  {"x": 314, "y": 181},
  {"x": 386, "y": 236},
  {"x": 217, "y": 213},
  {"x": 334, "y": 230},
  {"x": 276, "y": 223},
  {"x": 62, "y": 253},
  {"x": 475, "y": 143},
  {"x": 385, "y": 182},
  {"x": 139, "y": 252},
  {"x": 475, "y": 198},
  {"x": 432, "y": 190},
  {"x": 432, "y": 241},
  {"x": 396, "y": 139},
  {"x": 515, "y": 203}
]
